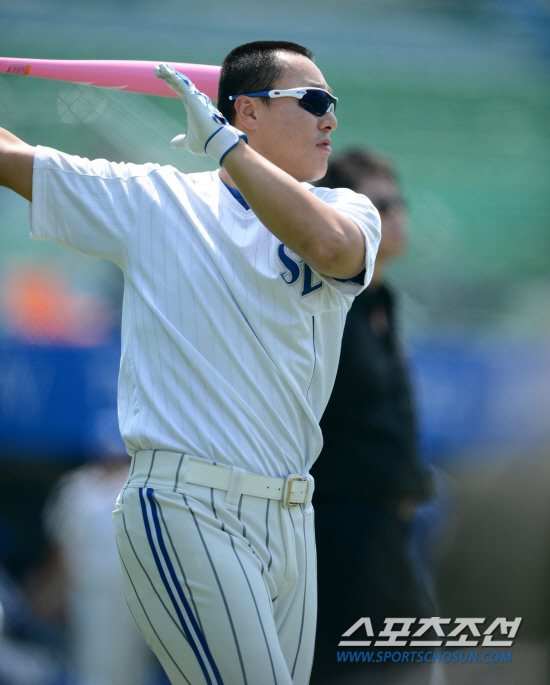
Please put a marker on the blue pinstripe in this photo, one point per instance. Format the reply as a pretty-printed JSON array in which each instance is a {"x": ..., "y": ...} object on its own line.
[
  {"x": 190, "y": 617},
  {"x": 151, "y": 623},
  {"x": 305, "y": 594}
]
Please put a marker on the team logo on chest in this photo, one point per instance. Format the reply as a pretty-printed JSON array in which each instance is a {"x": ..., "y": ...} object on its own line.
[{"x": 295, "y": 267}]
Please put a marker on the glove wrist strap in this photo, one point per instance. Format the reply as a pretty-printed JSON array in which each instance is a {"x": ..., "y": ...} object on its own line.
[{"x": 222, "y": 141}]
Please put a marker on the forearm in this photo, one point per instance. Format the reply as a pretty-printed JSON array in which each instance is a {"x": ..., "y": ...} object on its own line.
[
  {"x": 16, "y": 164},
  {"x": 329, "y": 242}
]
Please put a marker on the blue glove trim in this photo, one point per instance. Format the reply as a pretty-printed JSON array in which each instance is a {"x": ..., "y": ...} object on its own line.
[
  {"x": 229, "y": 150},
  {"x": 215, "y": 133}
]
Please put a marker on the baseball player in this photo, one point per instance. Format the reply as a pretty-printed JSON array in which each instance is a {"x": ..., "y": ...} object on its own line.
[{"x": 237, "y": 285}]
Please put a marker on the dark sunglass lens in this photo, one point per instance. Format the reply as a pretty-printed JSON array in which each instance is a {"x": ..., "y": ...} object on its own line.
[
  {"x": 312, "y": 108},
  {"x": 316, "y": 102}
]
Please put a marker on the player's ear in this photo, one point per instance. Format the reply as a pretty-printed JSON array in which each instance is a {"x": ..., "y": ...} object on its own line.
[{"x": 246, "y": 113}]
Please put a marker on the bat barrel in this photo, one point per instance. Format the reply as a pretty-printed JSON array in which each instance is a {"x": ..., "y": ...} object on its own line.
[{"x": 133, "y": 76}]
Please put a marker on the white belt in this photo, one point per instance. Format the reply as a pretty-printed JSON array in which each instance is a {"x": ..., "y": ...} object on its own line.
[{"x": 290, "y": 491}]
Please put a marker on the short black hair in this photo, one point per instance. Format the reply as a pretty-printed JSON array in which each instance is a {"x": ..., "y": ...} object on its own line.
[
  {"x": 252, "y": 67},
  {"x": 348, "y": 168}
]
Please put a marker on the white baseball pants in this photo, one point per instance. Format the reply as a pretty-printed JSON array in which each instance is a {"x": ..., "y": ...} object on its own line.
[{"x": 221, "y": 585}]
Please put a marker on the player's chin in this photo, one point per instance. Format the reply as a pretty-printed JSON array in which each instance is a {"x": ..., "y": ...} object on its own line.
[{"x": 317, "y": 172}]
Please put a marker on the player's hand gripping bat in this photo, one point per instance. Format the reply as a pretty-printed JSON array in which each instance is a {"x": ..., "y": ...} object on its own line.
[{"x": 208, "y": 131}]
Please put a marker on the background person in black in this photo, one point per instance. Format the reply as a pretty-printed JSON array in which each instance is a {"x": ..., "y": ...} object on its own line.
[{"x": 369, "y": 478}]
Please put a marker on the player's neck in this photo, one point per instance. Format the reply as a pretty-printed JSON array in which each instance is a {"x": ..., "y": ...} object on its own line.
[{"x": 226, "y": 178}]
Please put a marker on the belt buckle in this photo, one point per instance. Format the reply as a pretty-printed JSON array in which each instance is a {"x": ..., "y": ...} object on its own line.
[{"x": 287, "y": 490}]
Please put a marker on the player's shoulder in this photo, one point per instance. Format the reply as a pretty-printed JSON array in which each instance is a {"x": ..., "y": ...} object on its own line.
[
  {"x": 339, "y": 195},
  {"x": 201, "y": 179},
  {"x": 49, "y": 158}
]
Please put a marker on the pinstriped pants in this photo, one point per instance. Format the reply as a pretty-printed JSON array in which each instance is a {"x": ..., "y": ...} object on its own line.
[{"x": 221, "y": 585}]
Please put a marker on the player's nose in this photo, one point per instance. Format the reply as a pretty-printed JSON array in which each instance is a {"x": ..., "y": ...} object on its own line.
[{"x": 328, "y": 121}]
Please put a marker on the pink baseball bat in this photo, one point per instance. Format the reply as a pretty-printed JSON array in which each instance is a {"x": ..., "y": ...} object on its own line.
[{"x": 134, "y": 76}]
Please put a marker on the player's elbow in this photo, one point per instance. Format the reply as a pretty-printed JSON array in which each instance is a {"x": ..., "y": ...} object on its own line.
[
  {"x": 16, "y": 164},
  {"x": 343, "y": 256}
]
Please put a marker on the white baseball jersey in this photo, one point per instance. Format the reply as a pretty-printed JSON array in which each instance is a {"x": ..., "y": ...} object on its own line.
[{"x": 230, "y": 342}]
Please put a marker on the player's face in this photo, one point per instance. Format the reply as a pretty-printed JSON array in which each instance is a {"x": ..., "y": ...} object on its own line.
[
  {"x": 292, "y": 138},
  {"x": 386, "y": 197}
]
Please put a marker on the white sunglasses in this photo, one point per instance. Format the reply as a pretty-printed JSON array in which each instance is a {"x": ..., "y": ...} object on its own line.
[{"x": 314, "y": 100}]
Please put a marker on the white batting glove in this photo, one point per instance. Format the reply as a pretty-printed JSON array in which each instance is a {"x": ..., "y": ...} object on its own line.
[{"x": 208, "y": 131}]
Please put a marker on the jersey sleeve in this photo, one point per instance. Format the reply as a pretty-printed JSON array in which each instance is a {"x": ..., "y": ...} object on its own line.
[
  {"x": 360, "y": 210},
  {"x": 88, "y": 206}
]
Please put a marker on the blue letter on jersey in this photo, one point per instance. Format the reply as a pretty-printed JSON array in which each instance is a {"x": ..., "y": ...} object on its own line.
[
  {"x": 293, "y": 269},
  {"x": 308, "y": 288},
  {"x": 292, "y": 273}
]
